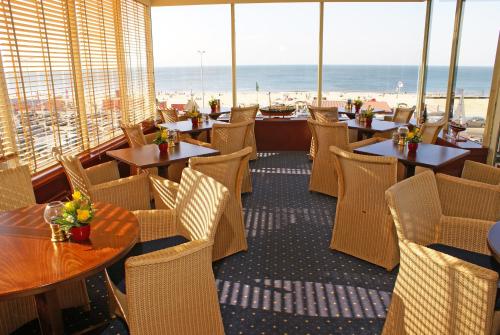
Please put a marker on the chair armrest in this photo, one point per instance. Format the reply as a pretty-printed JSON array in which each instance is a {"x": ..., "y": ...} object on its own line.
[
  {"x": 467, "y": 198},
  {"x": 465, "y": 233},
  {"x": 368, "y": 141},
  {"x": 481, "y": 172},
  {"x": 156, "y": 224},
  {"x": 164, "y": 191},
  {"x": 431, "y": 284},
  {"x": 103, "y": 173},
  {"x": 196, "y": 142},
  {"x": 150, "y": 138},
  {"x": 131, "y": 193}
]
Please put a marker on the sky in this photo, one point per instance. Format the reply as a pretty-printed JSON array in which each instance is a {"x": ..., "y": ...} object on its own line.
[{"x": 354, "y": 33}]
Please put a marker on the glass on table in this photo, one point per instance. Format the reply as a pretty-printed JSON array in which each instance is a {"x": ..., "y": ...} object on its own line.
[{"x": 52, "y": 212}]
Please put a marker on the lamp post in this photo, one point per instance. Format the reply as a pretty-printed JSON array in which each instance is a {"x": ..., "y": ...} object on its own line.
[{"x": 201, "y": 52}]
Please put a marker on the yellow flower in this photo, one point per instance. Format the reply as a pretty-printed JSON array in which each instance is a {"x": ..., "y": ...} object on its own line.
[
  {"x": 77, "y": 195},
  {"x": 410, "y": 135},
  {"x": 82, "y": 215},
  {"x": 164, "y": 135},
  {"x": 69, "y": 206}
]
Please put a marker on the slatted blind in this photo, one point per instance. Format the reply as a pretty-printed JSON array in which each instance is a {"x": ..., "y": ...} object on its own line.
[
  {"x": 72, "y": 69},
  {"x": 38, "y": 71},
  {"x": 139, "y": 94}
]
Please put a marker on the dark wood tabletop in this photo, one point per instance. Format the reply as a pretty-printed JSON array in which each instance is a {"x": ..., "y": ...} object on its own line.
[
  {"x": 428, "y": 155},
  {"x": 376, "y": 126},
  {"x": 186, "y": 127},
  {"x": 34, "y": 265},
  {"x": 494, "y": 241},
  {"x": 149, "y": 155}
]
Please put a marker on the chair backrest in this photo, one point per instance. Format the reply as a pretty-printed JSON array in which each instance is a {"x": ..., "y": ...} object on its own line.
[
  {"x": 239, "y": 114},
  {"x": 16, "y": 190},
  {"x": 483, "y": 173},
  {"x": 416, "y": 209},
  {"x": 430, "y": 131},
  {"x": 134, "y": 134},
  {"x": 169, "y": 115},
  {"x": 230, "y": 137},
  {"x": 324, "y": 114},
  {"x": 403, "y": 114},
  {"x": 74, "y": 172},
  {"x": 200, "y": 202},
  {"x": 326, "y": 134},
  {"x": 226, "y": 169}
]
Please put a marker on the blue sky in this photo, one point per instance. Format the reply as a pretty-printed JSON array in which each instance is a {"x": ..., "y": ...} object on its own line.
[{"x": 354, "y": 33}]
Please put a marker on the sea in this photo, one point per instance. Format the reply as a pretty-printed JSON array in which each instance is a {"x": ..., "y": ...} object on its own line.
[{"x": 473, "y": 80}]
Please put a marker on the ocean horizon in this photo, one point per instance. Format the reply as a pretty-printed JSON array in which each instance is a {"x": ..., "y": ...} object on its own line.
[{"x": 474, "y": 80}]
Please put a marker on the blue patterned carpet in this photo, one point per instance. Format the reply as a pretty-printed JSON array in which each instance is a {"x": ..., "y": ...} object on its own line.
[{"x": 289, "y": 281}]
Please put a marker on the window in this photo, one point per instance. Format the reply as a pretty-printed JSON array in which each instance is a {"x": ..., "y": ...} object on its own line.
[
  {"x": 277, "y": 53},
  {"x": 373, "y": 50},
  {"x": 71, "y": 71},
  {"x": 192, "y": 48},
  {"x": 477, "y": 50}
]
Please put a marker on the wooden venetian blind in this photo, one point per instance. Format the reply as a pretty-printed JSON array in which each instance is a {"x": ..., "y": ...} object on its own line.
[
  {"x": 36, "y": 51},
  {"x": 7, "y": 140},
  {"x": 99, "y": 64},
  {"x": 136, "y": 32}
]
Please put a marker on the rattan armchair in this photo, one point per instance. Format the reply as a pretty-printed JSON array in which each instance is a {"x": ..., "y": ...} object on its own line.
[
  {"x": 228, "y": 138},
  {"x": 239, "y": 114},
  {"x": 323, "y": 175},
  {"x": 437, "y": 292},
  {"x": 16, "y": 191},
  {"x": 228, "y": 170},
  {"x": 169, "y": 115},
  {"x": 430, "y": 131},
  {"x": 136, "y": 138},
  {"x": 480, "y": 172},
  {"x": 363, "y": 226},
  {"x": 321, "y": 114},
  {"x": 172, "y": 290},
  {"x": 102, "y": 183},
  {"x": 401, "y": 115}
]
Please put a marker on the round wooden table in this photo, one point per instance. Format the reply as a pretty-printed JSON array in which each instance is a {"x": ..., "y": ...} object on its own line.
[
  {"x": 33, "y": 265},
  {"x": 494, "y": 241}
]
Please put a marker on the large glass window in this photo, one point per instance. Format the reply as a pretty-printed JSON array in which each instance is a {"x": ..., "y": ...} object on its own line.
[
  {"x": 477, "y": 50},
  {"x": 277, "y": 53},
  {"x": 192, "y": 54},
  {"x": 372, "y": 51}
]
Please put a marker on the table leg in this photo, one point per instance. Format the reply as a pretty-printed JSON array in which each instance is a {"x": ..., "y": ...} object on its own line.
[
  {"x": 49, "y": 313},
  {"x": 410, "y": 171},
  {"x": 163, "y": 171}
]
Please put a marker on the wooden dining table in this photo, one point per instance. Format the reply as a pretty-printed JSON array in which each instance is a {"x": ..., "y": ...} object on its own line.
[
  {"x": 149, "y": 156},
  {"x": 429, "y": 156},
  {"x": 377, "y": 126},
  {"x": 33, "y": 265},
  {"x": 186, "y": 127}
]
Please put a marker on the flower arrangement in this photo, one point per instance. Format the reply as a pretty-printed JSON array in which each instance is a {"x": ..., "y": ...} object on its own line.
[
  {"x": 212, "y": 102},
  {"x": 368, "y": 113},
  {"x": 161, "y": 136},
  {"x": 76, "y": 214},
  {"x": 414, "y": 136},
  {"x": 193, "y": 114},
  {"x": 357, "y": 103}
]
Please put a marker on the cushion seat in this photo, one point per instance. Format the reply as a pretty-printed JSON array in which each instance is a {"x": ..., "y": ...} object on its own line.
[
  {"x": 482, "y": 260},
  {"x": 116, "y": 271}
]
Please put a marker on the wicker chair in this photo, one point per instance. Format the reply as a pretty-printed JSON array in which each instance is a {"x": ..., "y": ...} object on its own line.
[
  {"x": 323, "y": 175},
  {"x": 481, "y": 172},
  {"x": 401, "y": 115},
  {"x": 172, "y": 290},
  {"x": 102, "y": 183},
  {"x": 321, "y": 114},
  {"x": 228, "y": 170},
  {"x": 16, "y": 191},
  {"x": 436, "y": 292},
  {"x": 136, "y": 138},
  {"x": 169, "y": 115},
  {"x": 430, "y": 131},
  {"x": 228, "y": 138},
  {"x": 363, "y": 226},
  {"x": 239, "y": 114}
]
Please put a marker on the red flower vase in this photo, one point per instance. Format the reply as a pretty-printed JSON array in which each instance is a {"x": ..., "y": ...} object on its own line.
[
  {"x": 357, "y": 108},
  {"x": 80, "y": 234},
  {"x": 163, "y": 148},
  {"x": 194, "y": 121},
  {"x": 369, "y": 122},
  {"x": 213, "y": 108},
  {"x": 412, "y": 147}
]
